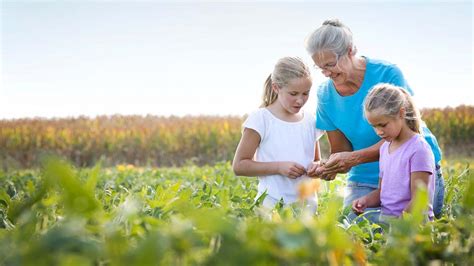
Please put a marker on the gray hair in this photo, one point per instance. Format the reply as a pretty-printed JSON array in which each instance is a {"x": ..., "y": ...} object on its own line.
[
  {"x": 285, "y": 70},
  {"x": 331, "y": 36},
  {"x": 389, "y": 99}
]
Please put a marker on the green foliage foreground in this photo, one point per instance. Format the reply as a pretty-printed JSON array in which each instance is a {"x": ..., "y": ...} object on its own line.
[{"x": 207, "y": 216}]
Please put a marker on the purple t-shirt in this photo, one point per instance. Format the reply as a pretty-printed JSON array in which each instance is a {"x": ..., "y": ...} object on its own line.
[{"x": 414, "y": 155}]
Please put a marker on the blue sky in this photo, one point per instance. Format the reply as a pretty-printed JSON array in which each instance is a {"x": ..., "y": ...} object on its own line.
[{"x": 71, "y": 58}]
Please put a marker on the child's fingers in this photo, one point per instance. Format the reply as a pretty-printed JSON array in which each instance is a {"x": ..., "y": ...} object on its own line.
[
  {"x": 299, "y": 169},
  {"x": 358, "y": 207},
  {"x": 355, "y": 209},
  {"x": 311, "y": 169},
  {"x": 299, "y": 166},
  {"x": 294, "y": 173},
  {"x": 358, "y": 210}
]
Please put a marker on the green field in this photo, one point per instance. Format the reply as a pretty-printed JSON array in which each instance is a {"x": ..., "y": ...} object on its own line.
[{"x": 192, "y": 215}]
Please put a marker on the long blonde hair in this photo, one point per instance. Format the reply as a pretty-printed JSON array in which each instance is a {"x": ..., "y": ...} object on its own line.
[
  {"x": 285, "y": 70},
  {"x": 389, "y": 99}
]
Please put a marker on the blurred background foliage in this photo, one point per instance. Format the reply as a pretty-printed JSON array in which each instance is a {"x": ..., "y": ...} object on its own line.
[{"x": 172, "y": 141}]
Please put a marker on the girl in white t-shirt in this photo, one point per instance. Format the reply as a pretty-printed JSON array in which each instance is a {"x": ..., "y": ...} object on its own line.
[{"x": 279, "y": 141}]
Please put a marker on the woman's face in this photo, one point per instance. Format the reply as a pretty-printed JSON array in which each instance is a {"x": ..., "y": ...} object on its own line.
[
  {"x": 332, "y": 66},
  {"x": 293, "y": 96}
]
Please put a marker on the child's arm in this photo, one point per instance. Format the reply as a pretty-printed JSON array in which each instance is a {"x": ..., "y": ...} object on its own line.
[
  {"x": 416, "y": 179},
  {"x": 370, "y": 200},
  {"x": 313, "y": 166},
  {"x": 244, "y": 164}
]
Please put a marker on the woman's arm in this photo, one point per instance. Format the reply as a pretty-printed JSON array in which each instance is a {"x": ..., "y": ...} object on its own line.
[
  {"x": 244, "y": 164},
  {"x": 342, "y": 158},
  {"x": 369, "y": 154},
  {"x": 338, "y": 142},
  {"x": 417, "y": 179}
]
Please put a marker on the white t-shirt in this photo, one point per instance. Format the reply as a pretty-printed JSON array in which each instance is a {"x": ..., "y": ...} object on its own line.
[{"x": 283, "y": 141}]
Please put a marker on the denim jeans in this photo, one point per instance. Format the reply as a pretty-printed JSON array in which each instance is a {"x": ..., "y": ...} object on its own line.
[
  {"x": 438, "y": 199},
  {"x": 355, "y": 190}
]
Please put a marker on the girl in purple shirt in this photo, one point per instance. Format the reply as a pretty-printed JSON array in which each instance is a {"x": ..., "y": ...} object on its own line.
[{"x": 406, "y": 160}]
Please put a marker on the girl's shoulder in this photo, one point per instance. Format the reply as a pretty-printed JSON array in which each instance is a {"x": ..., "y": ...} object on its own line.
[
  {"x": 257, "y": 120},
  {"x": 422, "y": 158},
  {"x": 418, "y": 148},
  {"x": 420, "y": 143},
  {"x": 260, "y": 113},
  {"x": 384, "y": 147},
  {"x": 256, "y": 116}
]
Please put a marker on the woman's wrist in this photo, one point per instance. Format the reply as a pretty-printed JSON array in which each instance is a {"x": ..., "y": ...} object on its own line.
[
  {"x": 353, "y": 158},
  {"x": 357, "y": 158},
  {"x": 367, "y": 155}
]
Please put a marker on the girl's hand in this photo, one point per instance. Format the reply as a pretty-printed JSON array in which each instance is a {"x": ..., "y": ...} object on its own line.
[
  {"x": 359, "y": 205},
  {"x": 291, "y": 169},
  {"x": 315, "y": 169}
]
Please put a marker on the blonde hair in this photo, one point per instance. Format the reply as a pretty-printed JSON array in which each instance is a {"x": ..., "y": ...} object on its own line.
[
  {"x": 285, "y": 70},
  {"x": 389, "y": 99}
]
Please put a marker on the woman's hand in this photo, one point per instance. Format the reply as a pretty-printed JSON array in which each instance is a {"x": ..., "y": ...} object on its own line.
[
  {"x": 315, "y": 169},
  {"x": 291, "y": 169},
  {"x": 340, "y": 162},
  {"x": 328, "y": 177},
  {"x": 359, "y": 205}
]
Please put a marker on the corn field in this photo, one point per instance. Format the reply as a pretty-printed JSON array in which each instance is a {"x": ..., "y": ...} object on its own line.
[{"x": 170, "y": 141}]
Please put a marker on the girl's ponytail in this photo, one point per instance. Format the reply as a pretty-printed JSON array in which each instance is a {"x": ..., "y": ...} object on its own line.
[
  {"x": 269, "y": 96},
  {"x": 412, "y": 115}
]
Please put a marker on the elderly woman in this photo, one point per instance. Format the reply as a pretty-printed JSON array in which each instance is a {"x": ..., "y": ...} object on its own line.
[{"x": 354, "y": 145}]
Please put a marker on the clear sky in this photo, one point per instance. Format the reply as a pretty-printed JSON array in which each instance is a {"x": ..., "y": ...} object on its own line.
[{"x": 70, "y": 58}]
